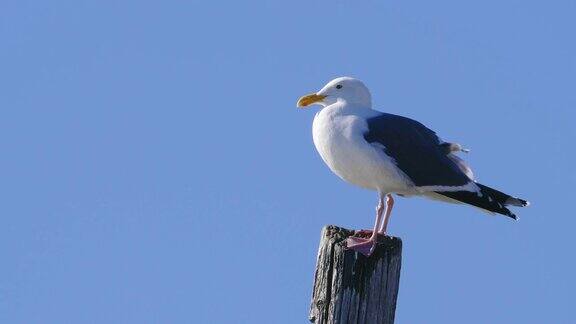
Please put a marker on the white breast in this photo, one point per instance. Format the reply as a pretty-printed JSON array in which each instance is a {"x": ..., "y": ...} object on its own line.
[{"x": 338, "y": 134}]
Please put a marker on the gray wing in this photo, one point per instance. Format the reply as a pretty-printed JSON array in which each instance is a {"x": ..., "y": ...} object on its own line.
[{"x": 417, "y": 150}]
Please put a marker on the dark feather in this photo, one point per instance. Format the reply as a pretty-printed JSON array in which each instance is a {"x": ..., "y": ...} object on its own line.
[
  {"x": 488, "y": 199},
  {"x": 417, "y": 150}
]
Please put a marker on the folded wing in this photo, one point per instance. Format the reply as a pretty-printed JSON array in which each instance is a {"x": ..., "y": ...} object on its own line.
[{"x": 419, "y": 153}]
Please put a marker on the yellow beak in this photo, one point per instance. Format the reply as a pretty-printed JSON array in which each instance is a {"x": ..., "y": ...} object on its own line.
[{"x": 309, "y": 99}]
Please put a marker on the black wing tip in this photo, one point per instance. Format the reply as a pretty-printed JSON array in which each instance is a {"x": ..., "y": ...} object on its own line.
[
  {"x": 487, "y": 199},
  {"x": 513, "y": 201},
  {"x": 510, "y": 214}
]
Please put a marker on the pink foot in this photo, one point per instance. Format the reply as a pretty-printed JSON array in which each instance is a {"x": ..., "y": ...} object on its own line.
[
  {"x": 362, "y": 245},
  {"x": 363, "y": 233}
]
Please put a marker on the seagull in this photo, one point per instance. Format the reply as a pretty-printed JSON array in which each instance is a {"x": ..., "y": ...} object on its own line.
[{"x": 392, "y": 154}]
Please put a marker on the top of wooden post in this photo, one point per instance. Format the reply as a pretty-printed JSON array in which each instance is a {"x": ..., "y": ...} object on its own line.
[
  {"x": 340, "y": 234},
  {"x": 352, "y": 288}
]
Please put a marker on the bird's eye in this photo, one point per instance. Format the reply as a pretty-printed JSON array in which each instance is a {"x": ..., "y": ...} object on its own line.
[{"x": 339, "y": 86}]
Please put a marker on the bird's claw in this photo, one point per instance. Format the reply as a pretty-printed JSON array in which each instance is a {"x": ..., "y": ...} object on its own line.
[
  {"x": 362, "y": 245},
  {"x": 363, "y": 233}
]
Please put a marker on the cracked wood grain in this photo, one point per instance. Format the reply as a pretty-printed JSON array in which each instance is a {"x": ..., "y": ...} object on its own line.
[{"x": 351, "y": 288}]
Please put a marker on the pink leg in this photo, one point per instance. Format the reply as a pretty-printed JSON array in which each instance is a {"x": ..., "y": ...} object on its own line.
[
  {"x": 389, "y": 206},
  {"x": 363, "y": 245}
]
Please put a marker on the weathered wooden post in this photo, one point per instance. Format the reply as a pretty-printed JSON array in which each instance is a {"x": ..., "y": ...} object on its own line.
[{"x": 351, "y": 288}]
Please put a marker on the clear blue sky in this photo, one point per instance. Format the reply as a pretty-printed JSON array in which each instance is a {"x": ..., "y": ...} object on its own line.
[{"x": 155, "y": 168}]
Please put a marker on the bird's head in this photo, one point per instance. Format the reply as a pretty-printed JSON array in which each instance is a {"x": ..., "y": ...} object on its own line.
[{"x": 346, "y": 89}]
